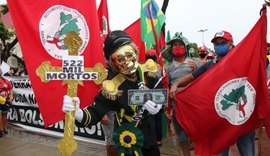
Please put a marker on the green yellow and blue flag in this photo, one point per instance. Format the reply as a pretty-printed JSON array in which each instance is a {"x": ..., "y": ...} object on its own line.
[{"x": 150, "y": 10}]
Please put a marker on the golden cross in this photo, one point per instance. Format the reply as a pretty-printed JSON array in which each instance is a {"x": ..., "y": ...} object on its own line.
[{"x": 68, "y": 145}]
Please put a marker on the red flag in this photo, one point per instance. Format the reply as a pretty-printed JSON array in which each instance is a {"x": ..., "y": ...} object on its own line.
[
  {"x": 41, "y": 27},
  {"x": 162, "y": 41},
  {"x": 161, "y": 44},
  {"x": 134, "y": 31},
  {"x": 103, "y": 18},
  {"x": 230, "y": 99}
]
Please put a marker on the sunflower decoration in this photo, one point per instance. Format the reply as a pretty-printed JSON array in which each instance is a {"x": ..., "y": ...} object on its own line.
[{"x": 128, "y": 139}]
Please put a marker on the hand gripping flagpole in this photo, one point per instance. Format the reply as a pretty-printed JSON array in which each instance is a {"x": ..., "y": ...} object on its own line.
[{"x": 68, "y": 145}]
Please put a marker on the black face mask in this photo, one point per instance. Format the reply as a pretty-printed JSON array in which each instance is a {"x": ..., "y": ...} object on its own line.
[{"x": 202, "y": 55}]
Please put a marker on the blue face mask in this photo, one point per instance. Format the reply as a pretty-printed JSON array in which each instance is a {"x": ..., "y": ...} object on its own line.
[{"x": 222, "y": 49}]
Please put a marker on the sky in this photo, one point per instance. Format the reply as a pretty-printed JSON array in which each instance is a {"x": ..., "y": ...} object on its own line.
[{"x": 190, "y": 16}]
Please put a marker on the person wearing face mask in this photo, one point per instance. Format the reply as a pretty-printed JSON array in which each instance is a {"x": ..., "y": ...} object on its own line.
[
  {"x": 210, "y": 56},
  {"x": 223, "y": 43},
  {"x": 202, "y": 54},
  {"x": 134, "y": 132},
  {"x": 179, "y": 66}
]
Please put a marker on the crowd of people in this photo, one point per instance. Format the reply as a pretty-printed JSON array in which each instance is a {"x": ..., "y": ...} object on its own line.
[
  {"x": 136, "y": 130},
  {"x": 223, "y": 43}
]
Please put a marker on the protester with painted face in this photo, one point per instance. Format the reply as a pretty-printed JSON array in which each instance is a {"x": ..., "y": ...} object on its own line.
[
  {"x": 177, "y": 68},
  {"x": 135, "y": 134},
  {"x": 223, "y": 43}
]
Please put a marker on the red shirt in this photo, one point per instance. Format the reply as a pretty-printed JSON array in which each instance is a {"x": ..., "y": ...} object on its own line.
[{"x": 5, "y": 87}]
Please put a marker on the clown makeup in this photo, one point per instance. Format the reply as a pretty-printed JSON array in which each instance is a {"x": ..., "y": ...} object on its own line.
[{"x": 125, "y": 59}]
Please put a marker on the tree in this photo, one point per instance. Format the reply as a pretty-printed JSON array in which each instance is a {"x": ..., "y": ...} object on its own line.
[
  {"x": 194, "y": 46},
  {"x": 6, "y": 44}
]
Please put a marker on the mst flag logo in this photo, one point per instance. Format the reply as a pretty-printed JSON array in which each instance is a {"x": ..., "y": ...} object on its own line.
[
  {"x": 52, "y": 35},
  {"x": 235, "y": 101},
  {"x": 104, "y": 26}
]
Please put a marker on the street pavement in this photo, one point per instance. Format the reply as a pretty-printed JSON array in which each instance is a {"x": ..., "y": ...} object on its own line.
[{"x": 19, "y": 142}]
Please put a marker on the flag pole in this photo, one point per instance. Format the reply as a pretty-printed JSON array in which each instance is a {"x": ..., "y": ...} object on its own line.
[
  {"x": 154, "y": 32},
  {"x": 156, "y": 39}
]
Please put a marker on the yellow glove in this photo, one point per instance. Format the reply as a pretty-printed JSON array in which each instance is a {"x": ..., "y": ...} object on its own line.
[{"x": 2, "y": 100}]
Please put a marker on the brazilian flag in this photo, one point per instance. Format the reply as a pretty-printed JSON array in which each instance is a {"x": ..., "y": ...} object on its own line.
[{"x": 150, "y": 9}]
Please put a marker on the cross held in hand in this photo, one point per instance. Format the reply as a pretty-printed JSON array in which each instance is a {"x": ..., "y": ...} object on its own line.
[{"x": 72, "y": 73}]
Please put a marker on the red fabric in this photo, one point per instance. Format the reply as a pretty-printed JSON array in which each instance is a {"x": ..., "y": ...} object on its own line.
[
  {"x": 196, "y": 111},
  {"x": 151, "y": 52},
  {"x": 103, "y": 18},
  {"x": 5, "y": 88},
  {"x": 26, "y": 16},
  {"x": 223, "y": 34},
  {"x": 162, "y": 43},
  {"x": 134, "y": 31}
]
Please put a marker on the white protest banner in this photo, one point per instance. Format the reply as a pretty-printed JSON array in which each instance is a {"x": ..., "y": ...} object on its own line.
[{"x": 25, "y": 113}]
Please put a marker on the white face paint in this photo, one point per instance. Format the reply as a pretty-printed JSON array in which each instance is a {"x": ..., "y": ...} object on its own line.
[{"x": 125, "y": 59}]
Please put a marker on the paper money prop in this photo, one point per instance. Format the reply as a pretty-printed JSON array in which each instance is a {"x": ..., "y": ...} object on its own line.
[{"x": 139, "y": 97}]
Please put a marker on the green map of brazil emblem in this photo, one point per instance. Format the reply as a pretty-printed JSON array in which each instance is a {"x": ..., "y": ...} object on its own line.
[
  {"x": 54, "y": 26},
  {"x": 235, "y": 101}
]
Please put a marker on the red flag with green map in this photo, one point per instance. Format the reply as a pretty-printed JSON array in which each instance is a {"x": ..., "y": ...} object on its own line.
[
  {"x": 230, "y": 99},
  {"x": 103, "y": 17},
  {"x": 41, "y": 27}
]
